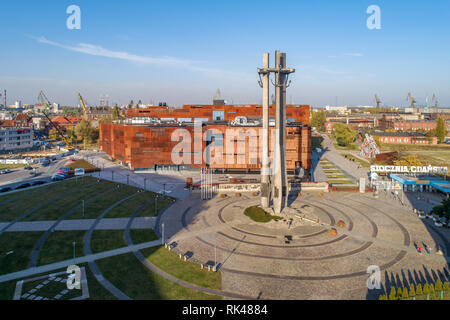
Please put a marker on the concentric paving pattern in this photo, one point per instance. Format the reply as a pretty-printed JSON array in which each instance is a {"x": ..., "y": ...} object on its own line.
[{"x": 304, "y": 261}]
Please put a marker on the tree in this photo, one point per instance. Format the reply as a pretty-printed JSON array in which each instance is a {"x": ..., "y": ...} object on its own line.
[
  {"x": 116, "y": 113},
  {"x": 344, "y": 134},
  {"x": 70, "y": 135},
  {"x": 419, "y": 290},
  {"x": 426, "y": 290},
  {"x": 393, "y": 294},
  {"x": 86, "y": 132},
  {"x": 405, "y": 293},
  {"x": 409, "y": 160},
  {"x": 399, "y": 293},
  {"x": 412, "y": 292},
  {"x": 318, "y": 120},
  {"x": 53, "y": 134},
  {"x": 446, "y": 286},
  {"x": 441, "y": 132}
]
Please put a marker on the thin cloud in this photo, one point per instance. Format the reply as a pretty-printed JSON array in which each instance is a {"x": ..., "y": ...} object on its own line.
[
  {"x": 99, "y": 51},
  {"x": 95, "y": 50},
  {"x": 354, "y": 54}
]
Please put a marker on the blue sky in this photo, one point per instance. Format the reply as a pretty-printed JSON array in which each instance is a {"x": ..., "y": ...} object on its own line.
[{"x": 182, "y": 51}]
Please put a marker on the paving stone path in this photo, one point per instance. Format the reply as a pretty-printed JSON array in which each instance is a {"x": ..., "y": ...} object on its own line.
[{"x": 257, "y": 260}]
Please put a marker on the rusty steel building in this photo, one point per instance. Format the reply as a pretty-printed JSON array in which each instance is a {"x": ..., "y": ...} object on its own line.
[{"x": 165, "y": 137}]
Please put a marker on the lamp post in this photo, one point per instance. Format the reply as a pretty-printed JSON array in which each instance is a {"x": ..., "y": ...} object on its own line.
[{"x": 74, "y": 243}]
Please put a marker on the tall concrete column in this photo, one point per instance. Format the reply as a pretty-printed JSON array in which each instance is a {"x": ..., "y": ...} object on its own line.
[
  {"x": 265, "y": 184},
  {"x": 280, "y": 178}
]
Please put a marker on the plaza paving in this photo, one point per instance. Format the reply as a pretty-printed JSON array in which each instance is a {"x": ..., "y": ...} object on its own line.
[{"x": 257, "y": 261}]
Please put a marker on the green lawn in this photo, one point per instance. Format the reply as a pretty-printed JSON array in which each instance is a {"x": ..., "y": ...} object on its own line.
[
  {"x": 135, "y": 280},
  {"x": 12, "y": 166},
  {"x": 188, "y": 271},
  {"x": 28, "y": 200},
  {"x": 22, "y": 243},
  {"x": 59, "y": 247},
  {"x": 96, "y": 290},
  {"x": 361, "y": 162},
  {"x": 260, "y": 215},
  {"x": 96, "y": 207},
  {"x": 151, "y": 211},
  {"x": 127, "y": 208},
  {"x": 56, "y": 209},
  {"x": 352, "y": 146},
  {"x": 340, "y": 182}
]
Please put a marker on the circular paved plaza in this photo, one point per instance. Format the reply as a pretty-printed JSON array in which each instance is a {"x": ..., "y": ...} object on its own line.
[{"x": 299, "y": 258}]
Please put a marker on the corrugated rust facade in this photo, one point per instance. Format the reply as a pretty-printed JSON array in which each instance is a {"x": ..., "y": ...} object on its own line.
[
  {"x": 298, "y": 112},
  {"x": 148, "y": 146}
]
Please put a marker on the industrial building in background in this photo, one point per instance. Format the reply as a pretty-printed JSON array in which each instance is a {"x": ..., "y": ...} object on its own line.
[{"x": 145, "y": 140}]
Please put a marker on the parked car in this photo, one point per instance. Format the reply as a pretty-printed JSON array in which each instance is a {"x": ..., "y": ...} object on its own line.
[
  {"x": 66, "y": 169},
  {"x": 28, "y": 168},
  {"x": 5, "y": 171},
  {"x": 23, "y": 186},
  {"x": 5, "y": 189},
  {"x": 38, "y": 183},
  {"x": 58, "y": 177}
]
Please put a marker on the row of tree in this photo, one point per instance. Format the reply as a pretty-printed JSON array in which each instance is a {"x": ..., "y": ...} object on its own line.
[
  {"x": 83, "y": 132},
  {"x": 428, "y": 290}
]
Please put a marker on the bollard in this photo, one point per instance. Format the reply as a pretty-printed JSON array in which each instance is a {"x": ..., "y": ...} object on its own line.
[
  {"x": 185, "y": 258},
  {"x": 214, "y": 269},
  {"x": 201, "y": 266},
  {"x": 209, "y": 268},
  {"x": 180, "y": 255}
]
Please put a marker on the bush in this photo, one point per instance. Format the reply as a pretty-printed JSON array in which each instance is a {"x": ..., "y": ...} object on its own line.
[
  {"x": 405, "y": 293},
  {"x": 393, "y": 294},
  {"x": 258, "y": 214},
  {"x": 446, "y": 287},
  {"x": 438, "y": 285},
  {"x": 426, "y": 289},
  {"x": 412, "y": 292},
  {"x": 399, "y": 293},
  {"x": 419, "y": 290}
]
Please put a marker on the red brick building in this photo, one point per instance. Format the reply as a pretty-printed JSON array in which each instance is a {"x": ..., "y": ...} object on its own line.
[
  {"x": 405, "y": 138},
  {"x": 392, "y": 122},
  {"x": 173, "y": 142}
]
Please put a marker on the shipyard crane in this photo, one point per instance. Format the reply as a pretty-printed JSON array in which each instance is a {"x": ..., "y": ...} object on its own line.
[
  {"x": 411, "y": 100},
  {"x": 83, "y": 105},
  {"x": 435, "y": 100},
  {"x": 378, "y": 101},
  {"x": 43, "y": 99}
]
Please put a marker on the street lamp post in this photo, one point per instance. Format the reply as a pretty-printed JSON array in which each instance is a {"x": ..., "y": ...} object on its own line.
[
  {"x": 164, "y": 188},
  {"x": 74, "y": 243}
]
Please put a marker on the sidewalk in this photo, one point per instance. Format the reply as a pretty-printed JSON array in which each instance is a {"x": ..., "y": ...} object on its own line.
[
  {"x": 349, "y": 167},
  {"x": 86, "y": 224}
]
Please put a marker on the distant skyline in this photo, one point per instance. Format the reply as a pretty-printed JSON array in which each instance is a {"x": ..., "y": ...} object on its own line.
[{"x": 181, "y": 52}]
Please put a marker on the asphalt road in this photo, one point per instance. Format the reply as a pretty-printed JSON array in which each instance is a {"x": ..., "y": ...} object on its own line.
[{"x": 19, "y": 176}]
